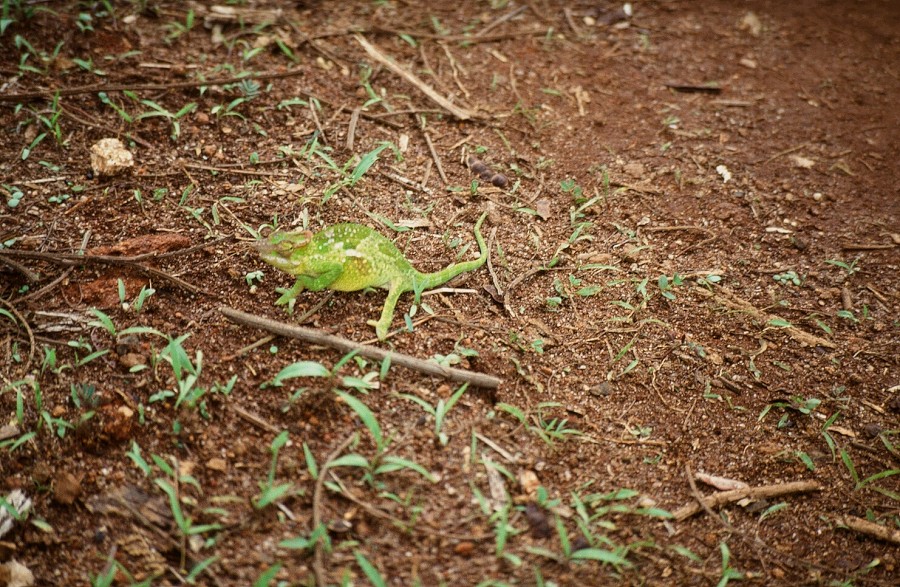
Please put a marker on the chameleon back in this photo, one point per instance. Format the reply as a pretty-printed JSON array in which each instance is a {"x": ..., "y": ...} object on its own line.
[{"x": 368, "y": 258}]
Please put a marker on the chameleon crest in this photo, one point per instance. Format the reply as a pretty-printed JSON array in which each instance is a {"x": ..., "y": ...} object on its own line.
[{"x": 350, "y": 257}]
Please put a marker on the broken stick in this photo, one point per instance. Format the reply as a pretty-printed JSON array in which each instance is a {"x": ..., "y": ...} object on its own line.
[
  {"x": 377, "y": 55},
  {"x": 870, "y": 528},
  {"x": 344, "y": 345},
  {"x": 716, "y": 499}
]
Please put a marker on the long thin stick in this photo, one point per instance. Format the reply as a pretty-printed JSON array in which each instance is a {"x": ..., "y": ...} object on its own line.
[
  {"x": 91, "y": 88},
  {"x": 69, "y": 259},
  {"x": 342, "y": 344},
  {"x": 383, "y": 59},
  {"x": 110, "y": 88},
  {"x": 731, "y": 300},
  {"x": 870, "y": 528},
  {"x": 723, "y": 497}
]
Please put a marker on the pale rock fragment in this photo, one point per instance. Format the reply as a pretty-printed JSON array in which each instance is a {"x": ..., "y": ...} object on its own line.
[{"x": 110, "y": 157}]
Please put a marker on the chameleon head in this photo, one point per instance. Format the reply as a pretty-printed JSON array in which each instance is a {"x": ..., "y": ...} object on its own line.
[{"x": 279, "y": 248}]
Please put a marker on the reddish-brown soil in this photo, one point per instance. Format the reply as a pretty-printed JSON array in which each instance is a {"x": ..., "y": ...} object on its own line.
[{"x": 744, "y": 151}]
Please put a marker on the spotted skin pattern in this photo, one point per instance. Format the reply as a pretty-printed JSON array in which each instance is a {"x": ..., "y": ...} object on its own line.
[{"x": 351, "y": 257}]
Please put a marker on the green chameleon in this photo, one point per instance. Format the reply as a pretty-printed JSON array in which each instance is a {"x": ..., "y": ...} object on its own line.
[{"x": 350, "y": 257}]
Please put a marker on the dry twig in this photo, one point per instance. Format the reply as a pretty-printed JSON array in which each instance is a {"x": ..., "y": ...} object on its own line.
[
  {"x": 443, "y": 102},
  {"x": 723, "y": 497},
  {"x": 27, "y": 328},
  {"x": 726, "y": 298},
  {"x": 870, "y": 528},
  {"x": 344, "y": 345}
]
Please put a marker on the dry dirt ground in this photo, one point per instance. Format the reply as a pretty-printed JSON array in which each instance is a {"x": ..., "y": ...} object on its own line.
[{"x": 693, "y": 274}]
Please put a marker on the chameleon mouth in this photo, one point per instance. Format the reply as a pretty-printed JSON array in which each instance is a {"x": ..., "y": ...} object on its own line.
[{"x": 263, "y": 246}]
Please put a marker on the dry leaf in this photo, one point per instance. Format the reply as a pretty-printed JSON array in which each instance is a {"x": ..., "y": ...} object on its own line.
[
  {"x": 802, "y": 162},
  {"x": 722, "y": 483}
]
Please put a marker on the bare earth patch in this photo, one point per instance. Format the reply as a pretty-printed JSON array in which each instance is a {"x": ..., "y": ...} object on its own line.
[{"x": 690, "y": 305}]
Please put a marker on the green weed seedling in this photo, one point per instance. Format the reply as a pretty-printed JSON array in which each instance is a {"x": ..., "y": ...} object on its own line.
[
  {"x": 847, "y": 315},
  {"x": 88, "y": 66},
  {"x": 249, "y": 89},
  {"x": 266, "y": 577},
  {"x": 174, "y": 484},
  {"x": 867, "y": 482},
  {"x": 272, "y": 492},
  {"x": 550, "y": 431},
  {"x": 439, "y": 411},
  {"x": 666, "y": 285},
  {"x": 14, "y": 197},
  {"x": 728, "y": 572},
  {"x": 364, "y": 384},
  {"x": 105, "y": 99},
  {"x": 80, "y": 346},
  {"x": 183, "y": 521},
  {"x": 708, "y": 281},
  {"x": 553, "y": 430},
  {"x": 85, "y": 22},
  {"x": 574, "y": 287},
  {"x": 299, "y": 369},
  {"x": 365, "y": 163},
  {"x": 58, "y": 199},
  {"x": 21, "y": 388},
  {"x": 308, "y": 544},
  {"x": 138, "y": 304},
  {"x": 857, "y": 576},
  {"x": 588, "y": 524},
  {"x": 773, "y": 509},
  {"x": 499, "y": 519},
  {"x": 50, "y": 123},
  {"x": 456, "y": 357},
  {"x": 113, "y": 575},
  {"x": 787, "y": 278},
  {"x": 84, "y": 398},
  {"x": 50, "y": 363},
  {"x": 157, "y": 111},
  {"x": 253, "y": 277},
  {"x": 26, "y": 50},
  {"x": 365, "y": 74},
  {"x": 176, "y": 29},
  {"x": 829, "y": 440},
  {"x": 291, "y": 102},
  {"x": 381, "y": 463},
  {"x": 593, "y": 510},
  {"x": 187, "y": 391},
  {"x": 849, "y": 268},
  {"x": 6, "y": 15},
  {"x": 369, "y": 570},
  {"x": 222, "y": 203},
  {"x": 798, "y": 404}
]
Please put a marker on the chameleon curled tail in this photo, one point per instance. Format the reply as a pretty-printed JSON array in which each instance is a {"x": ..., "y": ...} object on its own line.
[
  {"x": 350, "y": 257},
  {"x": 432, "y": 280}
]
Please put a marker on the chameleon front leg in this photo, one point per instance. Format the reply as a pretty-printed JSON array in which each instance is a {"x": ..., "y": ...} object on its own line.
[
  {"x": 387, "y": 313},
  {"x": 318, "y": 282},
  {"x": 289, "y": 294}
]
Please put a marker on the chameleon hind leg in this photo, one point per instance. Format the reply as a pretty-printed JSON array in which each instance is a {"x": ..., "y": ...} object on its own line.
[{"x": 387, "y": 313}]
